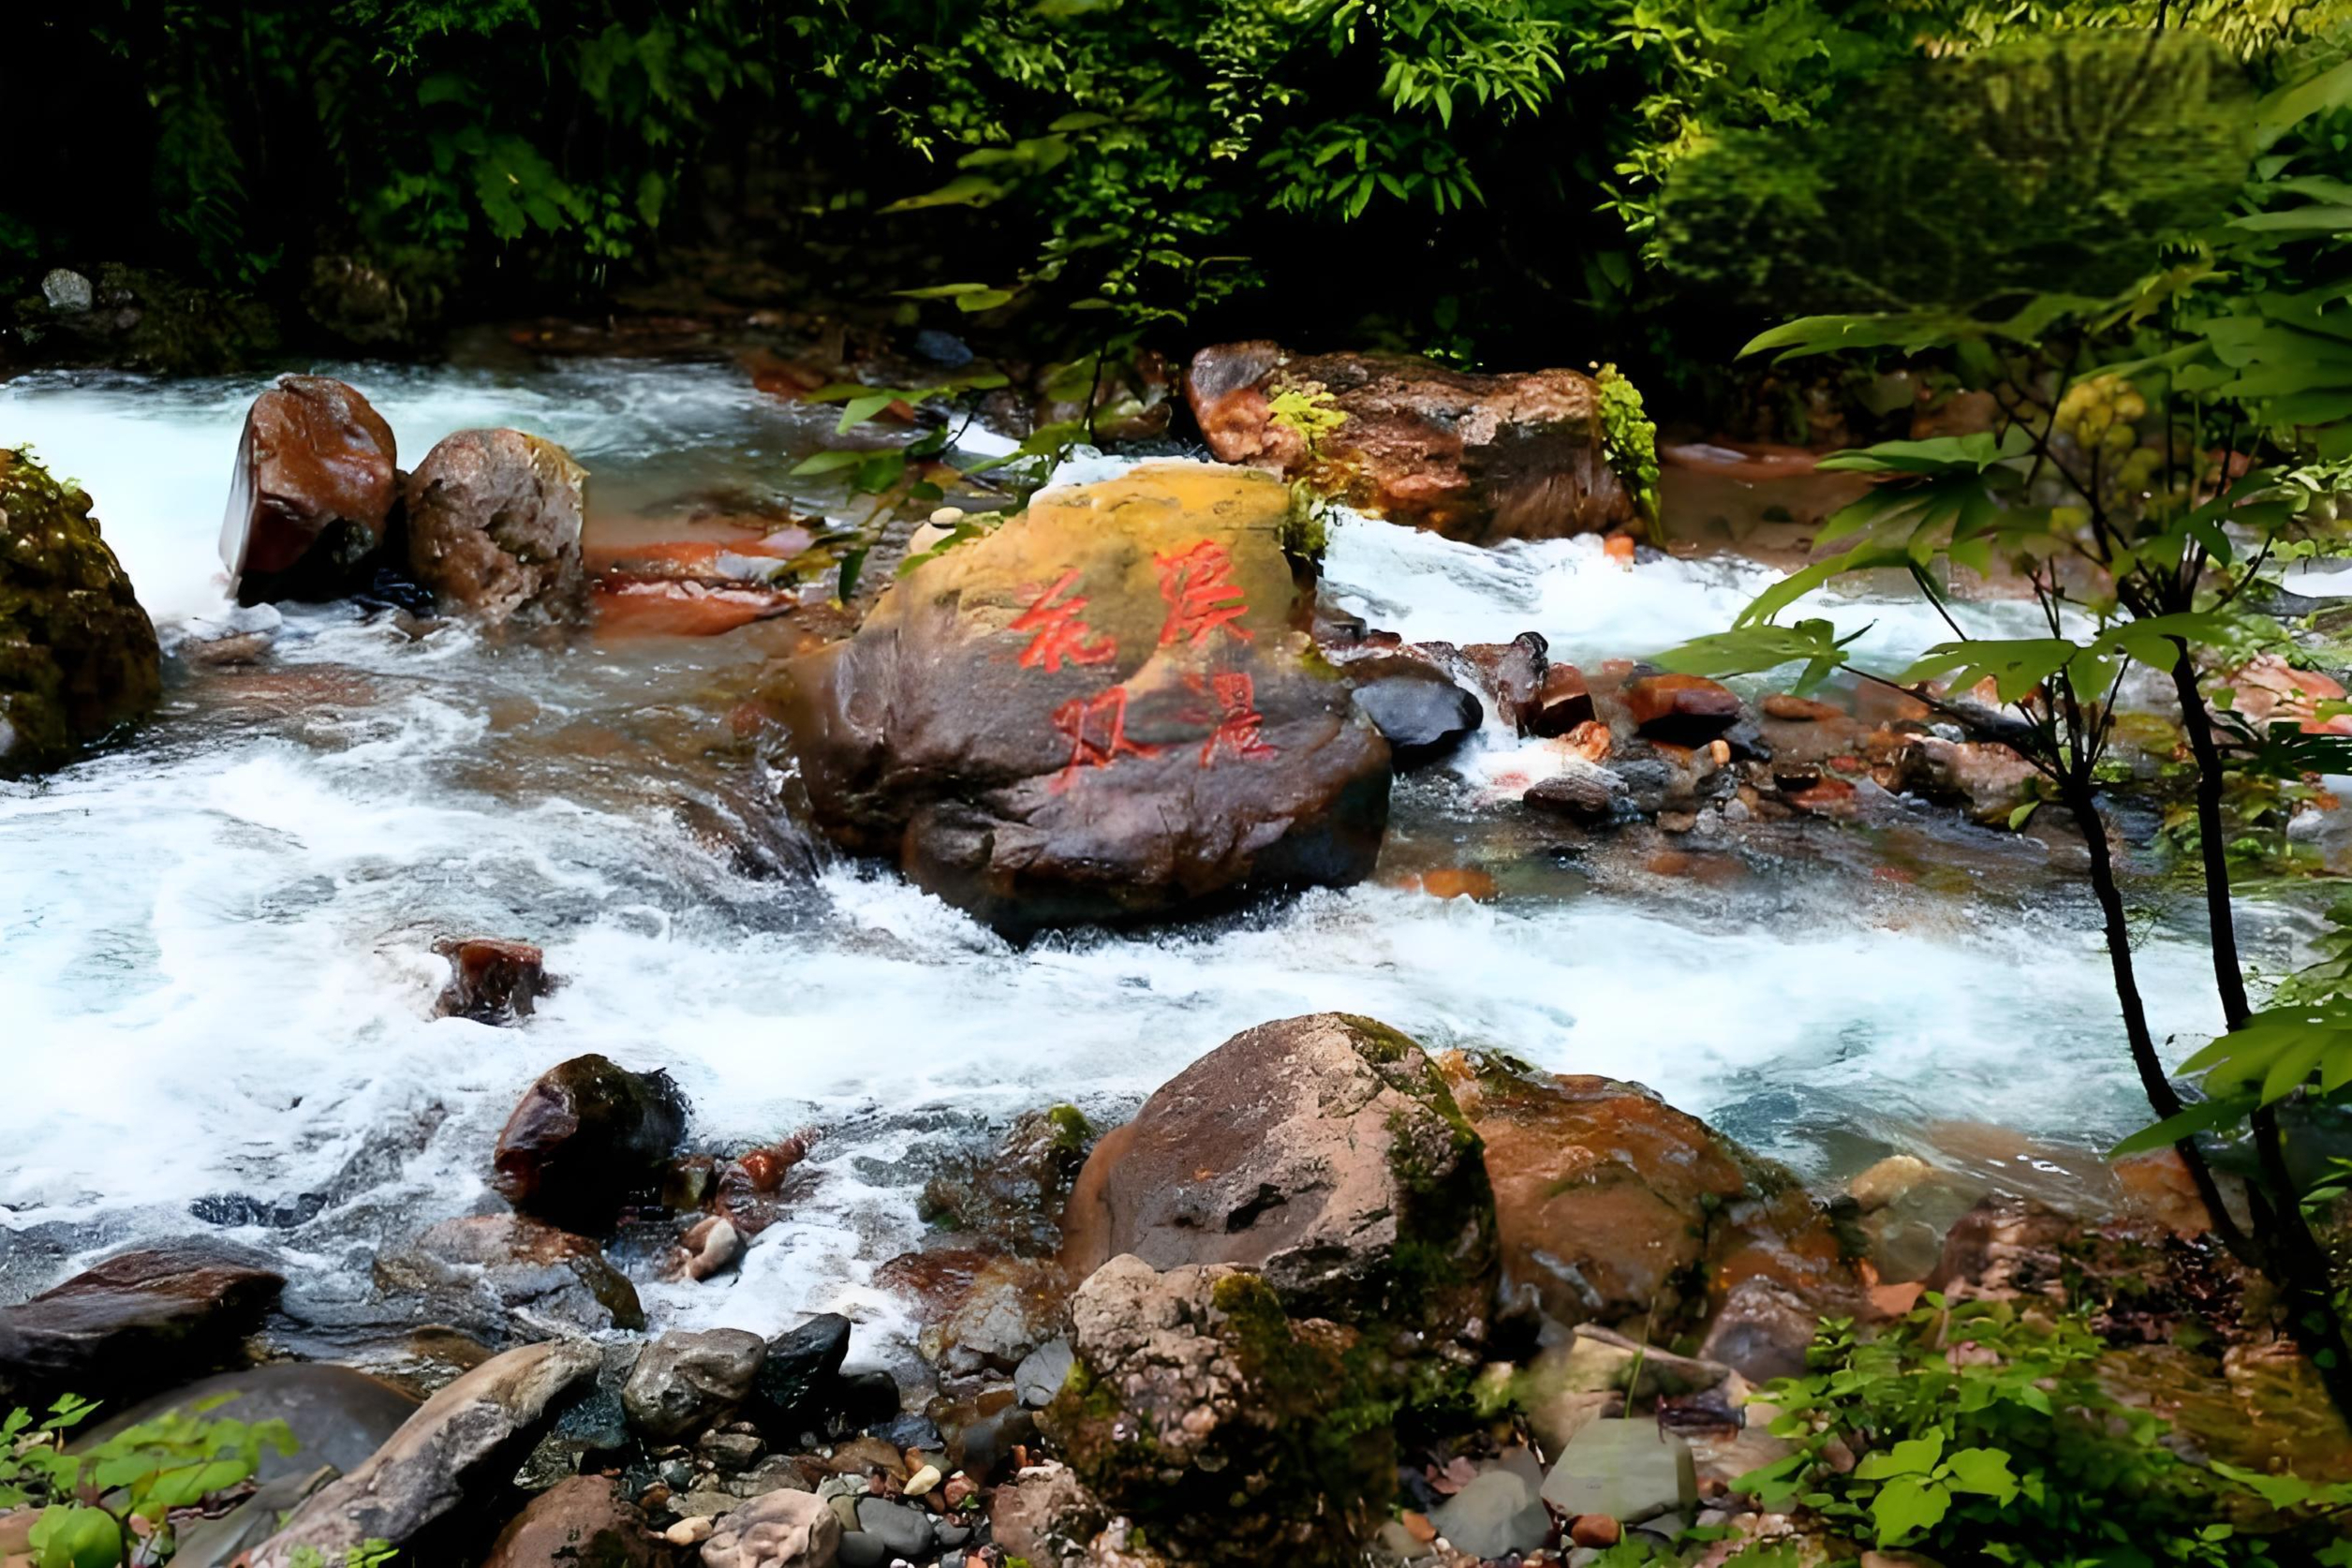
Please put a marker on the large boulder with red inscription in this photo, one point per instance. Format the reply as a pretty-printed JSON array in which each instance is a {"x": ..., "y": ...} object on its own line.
[
  {"x": 1108, "y": 710},
  {"x": 314, "y": 487},
  {"x": 1476, "y": 457}
]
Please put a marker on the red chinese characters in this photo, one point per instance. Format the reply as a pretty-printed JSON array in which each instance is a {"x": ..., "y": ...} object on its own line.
[
  {"x": 1239, "y": 725},
  {"x": 1203, "y": 597},
  {"x": 1096, "y": 728},
  {"x": 1060, "y": 634}
]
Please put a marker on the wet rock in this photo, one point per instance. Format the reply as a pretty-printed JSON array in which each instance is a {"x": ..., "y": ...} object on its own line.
[
  {"x": 1987, "y": 780},
  {"x": 1562, "y": 700},
  {"x": 457, "y": 1450},
  {"x": 1011, "y": 1305},
  {"x": 1513, "y": 674},
  {"x": 1324, "y": 1151},
  {"x": 1106, "y": 710},
  {"x": 490, "y": 982},
  {"x": 222, "y": 1542},
  {"x": 1419, "y": 710},
  {"x": 1475, "y": 457},
  {"x": 1012, "y": 1195},
  {"x": 1582, "y": 791},
  {"x": 796, "y": 1379},
  {"x": 339, "y": 1416},
  {"x": 579, "y": 1523},
  {"x": 1629, "y": 1470},
  {"x": 584, "y": 1139},
  {"x": 1614, "y": 1207},
  {"x": 1762, "y": 1327},
  {"x": 135, "y": 1322},
  {"x": 982, "y": 1430},
  {"x": 67, "y": 291},
  {"x": 684, "y": 1381},
  {"x": 1682, "y": 710},
  {"x": 782, "y": 1530},
  {"x": 494, "y": 519},
  {"x": 709, "y": 1246},
  {"x": 1499, "y": 1512},
  {"x": 1199, "y": 1411},
  {"x": 505, "y": 1272},
  {"x": 312, "y": 494},
  {"x": 78, "y": 656}
]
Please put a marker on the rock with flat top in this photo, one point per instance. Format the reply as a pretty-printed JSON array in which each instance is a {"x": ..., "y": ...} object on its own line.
[
  {"x": 1627, "y": 1470},
  {"x": 140, "y": 1321}
]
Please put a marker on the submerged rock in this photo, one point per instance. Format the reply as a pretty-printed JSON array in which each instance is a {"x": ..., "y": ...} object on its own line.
[
  {"x": 460, "y": 1448},
  {"x": 499, "y": 1273},
  {"x": 491, "y": 981},
  {"x": 312, "y": 495},
  {"x": 78, "y": 656},
  {"x": 585, "y": 1138},
  {"x": 1475, "y": 457},
  {"x": 137, "y": 1322},
  {"x": 1108, "y": 709},
  {"x": 1217, "y": 1425},
  {"x": 1325, "y": 1151},
  {"x": 494, "y": 519}
]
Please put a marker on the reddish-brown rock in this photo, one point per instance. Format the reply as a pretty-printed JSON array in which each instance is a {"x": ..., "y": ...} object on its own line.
[
  {"x": 579, "y": 1522},
  {"x": 1513, "y": 674},
  {"x": 1476, "y": 457},
  {"x": 312, "y": 493},
  {"x": 1614, "y": 1207},
  {"x": 1562, "y": 700},
  {"x": 495, "y": 521},
  {"x": 501, "y": 1272},
  {"x": 1685, "y": 710},
  {"x": 1108, "y": 709},
  {"x": 136, "y": 1323}
]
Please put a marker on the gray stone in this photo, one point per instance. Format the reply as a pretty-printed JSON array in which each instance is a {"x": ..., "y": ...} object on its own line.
[
  {"x": 685, "y": 1380},
  {"x": 1042, "y": 1372},
  {"x": 67, "y": 292},
  {"x": 903, "y": 1530},
  {"x": 1498, "y": 1513},
  {"x": 861, "y": 1550},
  {"x": 461, "y": 1444},
  {"x": 215, "y": 1542},
  {"x": 705, "y": 1503},
  {"x": 1629, "y": 1470},
  {"x": 339, "y": 1417}
]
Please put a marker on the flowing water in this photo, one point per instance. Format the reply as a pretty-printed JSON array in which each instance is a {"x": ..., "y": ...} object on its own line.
[{"x": 216, "y": 968}]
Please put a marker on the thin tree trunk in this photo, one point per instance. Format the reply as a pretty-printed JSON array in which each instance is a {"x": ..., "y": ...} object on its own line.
[
  {"x": 2162, "y": 1096},
  {"x": 2295, "y": 1261}
]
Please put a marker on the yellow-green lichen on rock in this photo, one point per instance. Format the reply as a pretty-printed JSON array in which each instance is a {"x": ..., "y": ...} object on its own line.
[{"x": 78, "y": 656}]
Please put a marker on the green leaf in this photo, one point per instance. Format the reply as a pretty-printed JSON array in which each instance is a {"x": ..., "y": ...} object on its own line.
[
  {"x": 2279, "y": 1491},
  {"x": 1906, "y": 1506},
  {"x": 857, "y": 410},
  {"x": 1982, "y": 1470},
  {"x": 1912, "y": 1457},
  {"x": 964, "y": 190},
  {"x": 826, "y": 462},
  {"x": 2015, "y": 667},
  {"x": 76, "y": 1538},
  {"x": 2199, "y": 1118},
  {"x": 2023, "y": 814},
  {"x": 1750, "y": 650},
  {"x": 852, "y": 567}
]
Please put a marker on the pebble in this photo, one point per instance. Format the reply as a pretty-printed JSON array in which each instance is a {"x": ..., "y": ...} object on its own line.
[
  {"x": 1041, "y": 1373},
  {"x": 947, "y": 517},
  {"x": 690, "y": 1532},
  {"x": 904, "y": 1531},
  {"x": 922, "y": 1481},
  {"x": 952, "y": 1534},
  {"x": 959, "y": 1488},
  {"x": 1593, "y": 1530},
  {"x": 861, "y": 1550},
  {"x": 844, "y": 1508}
]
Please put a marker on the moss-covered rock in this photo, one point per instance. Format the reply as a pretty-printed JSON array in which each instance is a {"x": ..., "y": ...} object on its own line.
[
  {"x": 1222, "y": 1430},
  {"x": 78, "y": 656}
]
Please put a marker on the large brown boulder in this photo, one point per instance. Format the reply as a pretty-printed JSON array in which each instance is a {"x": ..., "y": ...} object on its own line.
[
  {"x": 78, "y": 656},
  {"x": 137, "y": 1322},
  {"x": 1323, "y": 1151},
  {"x": 1476, "y": 457},
  {"x": 494, "y": 522},
  {"x": 459, "y": 1449},
  {"x": 1616, "y": 1209},
  {"x": 309, "y": 504},
  {"x": 1109, "y": 709},
  {"x": 585, "y": 1138},
  {"x": 1227, "y": 1433}
]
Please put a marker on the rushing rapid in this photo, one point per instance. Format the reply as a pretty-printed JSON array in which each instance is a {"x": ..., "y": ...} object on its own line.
[{"x": 216, "y": 966}]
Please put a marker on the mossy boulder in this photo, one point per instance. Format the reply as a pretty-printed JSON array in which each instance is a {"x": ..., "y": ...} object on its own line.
[
  {"x": 1222, "y": 1430},
  {"x": 1324, "y": 1151},
  {"x": 78, "y": 656}
]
